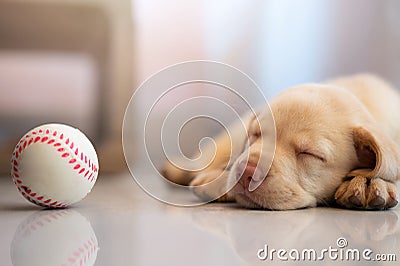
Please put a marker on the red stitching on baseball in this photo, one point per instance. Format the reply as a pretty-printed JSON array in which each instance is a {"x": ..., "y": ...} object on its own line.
[
  {"x": 79, "y": 254},
  {"x": 33, "y": 224}
]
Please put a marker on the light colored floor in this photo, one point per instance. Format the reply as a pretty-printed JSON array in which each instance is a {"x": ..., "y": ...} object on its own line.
[{"x": 118, "y": 224}]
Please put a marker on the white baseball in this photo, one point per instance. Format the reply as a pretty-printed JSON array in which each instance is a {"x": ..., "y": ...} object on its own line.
[
  {"x": 54, "y": 165},
  {"x": 62, "y": 237}
]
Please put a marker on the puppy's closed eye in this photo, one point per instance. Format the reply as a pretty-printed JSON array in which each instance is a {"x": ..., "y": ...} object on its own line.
[{"x": 310, "y": 155}]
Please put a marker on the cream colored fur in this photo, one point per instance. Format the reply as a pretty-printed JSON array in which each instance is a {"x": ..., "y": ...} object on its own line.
[{"x": 336, "y": 143}]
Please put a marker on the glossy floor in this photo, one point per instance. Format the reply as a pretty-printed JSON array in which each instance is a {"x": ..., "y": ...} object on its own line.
[{"x": 119, "y": 224}]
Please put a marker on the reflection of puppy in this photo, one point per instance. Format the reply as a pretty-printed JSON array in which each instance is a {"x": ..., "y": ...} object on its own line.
[
  {"x": 335, "y": 141},
  {"x": 302, "y": 229}
]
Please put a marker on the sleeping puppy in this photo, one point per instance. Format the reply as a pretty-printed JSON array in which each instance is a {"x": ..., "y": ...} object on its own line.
[{"x": 334, "y": 143}]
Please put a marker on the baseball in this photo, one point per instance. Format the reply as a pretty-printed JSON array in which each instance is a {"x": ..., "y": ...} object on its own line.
[{"x": 54, "y": 165}]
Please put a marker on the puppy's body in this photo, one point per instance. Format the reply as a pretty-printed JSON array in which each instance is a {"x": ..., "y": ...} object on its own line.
[
  {"x": 333, "y": 142},
  {"x": 379, "y": 98}
]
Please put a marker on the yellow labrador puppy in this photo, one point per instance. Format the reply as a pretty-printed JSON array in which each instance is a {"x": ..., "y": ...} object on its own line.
[{"x": 335, "y": 143}]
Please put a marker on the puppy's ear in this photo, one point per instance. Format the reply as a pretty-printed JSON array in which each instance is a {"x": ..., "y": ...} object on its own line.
[{"x": 377, "y": 154}]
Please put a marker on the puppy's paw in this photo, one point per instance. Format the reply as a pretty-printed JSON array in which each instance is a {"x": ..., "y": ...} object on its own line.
[
  {"x": 175, "y": 174},
  {"x": 369, "y": 194},
  {"x": 211, "y": 185}
]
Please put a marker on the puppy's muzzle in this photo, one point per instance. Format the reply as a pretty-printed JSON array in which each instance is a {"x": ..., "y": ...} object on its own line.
[{"x": 246, "y": 173}]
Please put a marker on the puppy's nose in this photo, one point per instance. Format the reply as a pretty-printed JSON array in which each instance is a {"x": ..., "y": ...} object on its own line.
[{"x": 248, "y": 172}]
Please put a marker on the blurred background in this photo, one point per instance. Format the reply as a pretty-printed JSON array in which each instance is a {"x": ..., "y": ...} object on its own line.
[{"x": 78, "y": 62}]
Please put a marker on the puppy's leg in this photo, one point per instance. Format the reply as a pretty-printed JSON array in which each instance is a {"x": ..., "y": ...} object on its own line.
[
  {"x": 373, "y": 185},
  {"x": 212, "y": 185},
  {"x": 363, "y": 193},
  {"x": 220, "y": 156},
  {"x": 227, "y": 148},
  {"x": 176, "y": 175}
]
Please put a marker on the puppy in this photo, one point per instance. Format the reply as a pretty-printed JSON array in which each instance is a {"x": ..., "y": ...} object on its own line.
[{"x": 332, "y": 143}]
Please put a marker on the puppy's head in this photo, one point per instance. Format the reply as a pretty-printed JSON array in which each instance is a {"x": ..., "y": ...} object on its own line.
[{"x": 323, "y": 134}]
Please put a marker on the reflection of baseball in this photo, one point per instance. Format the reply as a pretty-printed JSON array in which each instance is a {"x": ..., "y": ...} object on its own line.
[
  {"x": 62, "y": 237},
  {"x": 54, "y": 165}
]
